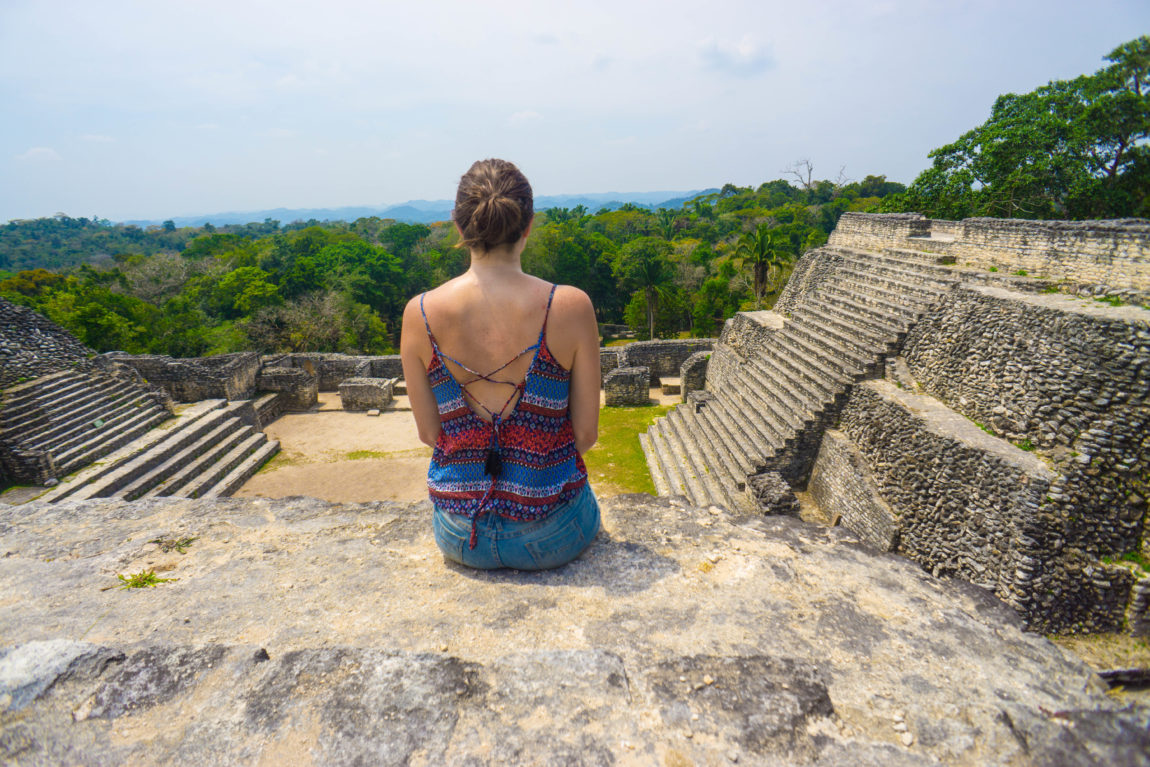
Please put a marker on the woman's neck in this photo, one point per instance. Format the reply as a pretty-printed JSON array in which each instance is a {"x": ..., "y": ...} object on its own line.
[{"x": 496, "y": 264}]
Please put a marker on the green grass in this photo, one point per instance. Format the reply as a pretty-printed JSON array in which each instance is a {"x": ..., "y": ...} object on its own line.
[
  {"x": 364, "y": 455},
  {"x": 620, "y": 342},
  {"x": 616, "y": 464},
  {"x": 142, "y": 580}
]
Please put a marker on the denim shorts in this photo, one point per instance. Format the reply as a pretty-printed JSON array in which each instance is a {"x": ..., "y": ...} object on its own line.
[{"x": 536, "y": 545}]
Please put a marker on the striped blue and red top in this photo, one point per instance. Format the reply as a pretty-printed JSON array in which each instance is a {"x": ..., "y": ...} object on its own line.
[{"x": 535, "y": 465}]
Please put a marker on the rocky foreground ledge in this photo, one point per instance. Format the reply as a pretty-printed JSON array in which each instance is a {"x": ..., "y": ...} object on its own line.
[{"x": 302, "y": 632}]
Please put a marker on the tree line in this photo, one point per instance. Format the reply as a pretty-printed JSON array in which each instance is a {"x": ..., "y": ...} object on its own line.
[{"x": 339, "y": 286}]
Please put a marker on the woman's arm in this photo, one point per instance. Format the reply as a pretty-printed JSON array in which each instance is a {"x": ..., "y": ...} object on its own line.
[
  {"x": 585, "y": 370},
  {"x": 415, "y": 352}
]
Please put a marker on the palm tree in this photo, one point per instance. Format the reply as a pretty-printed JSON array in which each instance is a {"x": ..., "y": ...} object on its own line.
[
  {"x": 759, "y": 249},
  {"x": 642, "y": 264},
  {"x": 666, "y": 219}
]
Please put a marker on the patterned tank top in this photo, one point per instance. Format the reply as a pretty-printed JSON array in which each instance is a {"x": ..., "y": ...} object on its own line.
[{"x": 520, "y": 464}]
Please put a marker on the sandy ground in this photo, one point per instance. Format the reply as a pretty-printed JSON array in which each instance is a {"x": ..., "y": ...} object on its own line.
[{"x": 349, "y": 457}]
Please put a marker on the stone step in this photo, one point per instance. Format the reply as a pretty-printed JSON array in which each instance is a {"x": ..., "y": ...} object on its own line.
[
  {"x": 117, "y": 476},
  {"x": 814, "y": 389},
  {"x": 861, "y": 347},
  {"x": 29, "y": 388},
  {"x": 71, "y": 483},
  {"x": 878, "y": 302},
  {"x": 889, "y": 259},
  {"x": 921, "y": 260},
  {"x": 691, "y": 466},
  {"x": 798, "y": 354},
  {"x": 215, "y": 473},
  {"x": 107, "y": 441},
  {"x": 752, "y": 449},
  {"x": 185, "y": 464},
  {"x": 715, "y": 441},
  {"x": 653, "y": 467},
  {"x": 30, "y": 393},
  {"x": 710, "y": 470},
  {"x": 898, "y": 285},
  {"x": 823, "y": 312},
  {"x": 32, "y": 414},
  {"x": 862, "y": 320},
  {"x": 793, "y": 406},
  {"x": 671, "y": 470},
  {"x": 749, "y": 453},
  {"x": 235, "y": 478},
  {"x": 108, "y": 414},
  {"x": 65, "y": 414},
  {"x": 842, "y": 362},
  {"x": 759, "y": 419},
  {"x": 874, "y": 290}
]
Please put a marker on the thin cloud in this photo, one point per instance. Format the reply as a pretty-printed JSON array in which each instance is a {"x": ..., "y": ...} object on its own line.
[
  {"x": 39, "y": 154},
  {"x": 525, "y": 117},
  {"x": 744, "y": 58},
  {"x": 96, "y": 138}
]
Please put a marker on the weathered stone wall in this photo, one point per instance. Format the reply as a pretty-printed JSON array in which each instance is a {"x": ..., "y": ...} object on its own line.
[
  {"x": 693, "y": 374},
  {"x": 1112, "y": 253},
  {"x": 31, "y": 345},
  {"x": 812, "y": 270},
  {"x": 626, "y": 387},
  {"x": 226, "y": 376},
  {"x": 333, "y": 369},
  {"x": 608, "y": 361},
  {"x": 843, "y": 487},
  {"x": 363, "y": 393},
  {"x": 972, "y": 505},
  {"x": 1067, "y": 377},
  {"x": 298, "y": 389},
  {"x": 663, "y": 357}
]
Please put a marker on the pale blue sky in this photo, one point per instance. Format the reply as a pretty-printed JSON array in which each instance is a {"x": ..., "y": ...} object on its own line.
[{"x": 166, "y": 108}]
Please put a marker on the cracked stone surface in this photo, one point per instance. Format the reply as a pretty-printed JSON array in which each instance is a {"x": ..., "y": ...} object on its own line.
[{"x": 305, "y": 632}]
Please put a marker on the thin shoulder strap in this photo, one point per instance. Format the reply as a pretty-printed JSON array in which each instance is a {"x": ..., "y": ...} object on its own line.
[
  {"x": 426, "y": 324},
  {"x": 546, "y": 314}
]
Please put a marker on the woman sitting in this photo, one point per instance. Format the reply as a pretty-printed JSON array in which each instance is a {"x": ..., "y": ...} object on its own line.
[{"x": 502, "y": 371}]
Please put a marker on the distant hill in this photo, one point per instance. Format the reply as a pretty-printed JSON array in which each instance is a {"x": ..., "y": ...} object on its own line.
[{"x": 427, "y": 211}]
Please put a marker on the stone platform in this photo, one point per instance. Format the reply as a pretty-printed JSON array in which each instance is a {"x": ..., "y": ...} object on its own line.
[{"x": 304, "y": 632}]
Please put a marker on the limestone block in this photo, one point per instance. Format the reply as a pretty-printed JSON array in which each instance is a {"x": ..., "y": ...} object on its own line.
[
  {"x": 366, "y": 393},
  {"x": 301, "y": 389},
  {"x": 693, "y": 373},
  {"x": 773, "y": 495},
  {"x": 628, "y": 387},
  {"x": 608, "y": 361}
]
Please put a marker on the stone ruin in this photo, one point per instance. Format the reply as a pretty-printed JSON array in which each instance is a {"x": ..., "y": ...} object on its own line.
[
  {"x": 695, "y": 630},
  {"x": 952, "y": 392}
]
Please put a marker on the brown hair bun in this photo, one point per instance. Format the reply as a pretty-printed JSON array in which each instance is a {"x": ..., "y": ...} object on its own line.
[{"x": 493, "y": 205}]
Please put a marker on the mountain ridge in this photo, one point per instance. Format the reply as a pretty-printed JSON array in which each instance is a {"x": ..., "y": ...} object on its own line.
[{"x": 427, "y": 211}]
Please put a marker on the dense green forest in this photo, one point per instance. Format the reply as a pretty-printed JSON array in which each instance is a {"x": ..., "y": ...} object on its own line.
[
  {"x": 1072, "y": 149},
  {"x": 338, "y": 286}
]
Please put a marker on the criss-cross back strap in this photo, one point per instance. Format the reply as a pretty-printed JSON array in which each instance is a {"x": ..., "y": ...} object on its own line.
[{"x": 515, "y": 386}]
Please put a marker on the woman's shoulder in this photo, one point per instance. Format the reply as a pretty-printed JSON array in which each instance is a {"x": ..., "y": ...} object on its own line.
[{"x": 571, "y": 299}]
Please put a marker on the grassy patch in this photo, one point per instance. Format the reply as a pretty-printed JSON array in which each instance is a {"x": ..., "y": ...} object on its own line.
[
  {"x": 616, "y": 464},
  {"x": 620, "y": 342},
  {"x": 1026, "y": 444},
  {"x": 175, "y": 544},
  {"x": 142, "y": 580},
  {"x": 364, "y": 455}
]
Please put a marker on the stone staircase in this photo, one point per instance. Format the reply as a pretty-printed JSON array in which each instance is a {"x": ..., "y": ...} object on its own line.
[
  {"x": 775, "y": 381},
  {"x": 208, "y": 451},
  {"x": 58, "y": 423}
]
